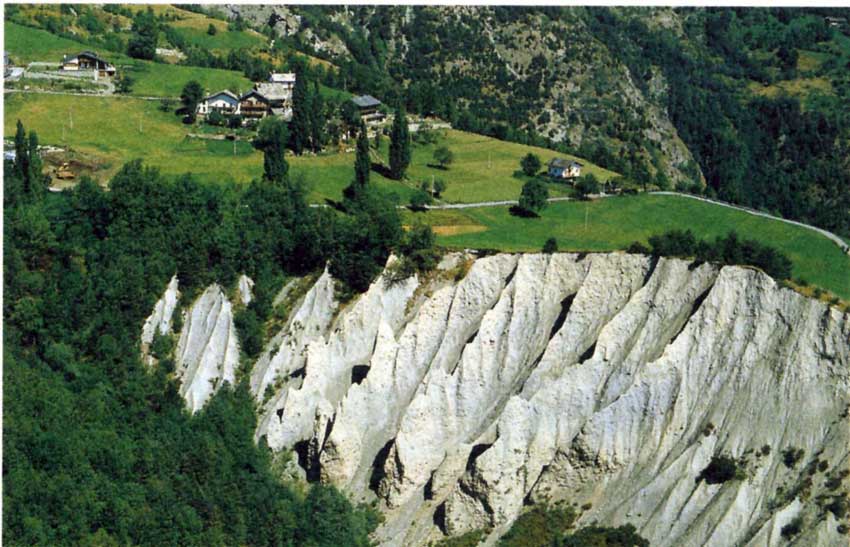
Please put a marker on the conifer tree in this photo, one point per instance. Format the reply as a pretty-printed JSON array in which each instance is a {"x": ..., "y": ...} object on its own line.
[
  {"x": 271, "y": 139},
  {"x": 21, "y": 152},
  {"x": 399, "y": 145},
  {"x": 362, "y": 165},
  {"x": 317, "y": 119},
  {"x": 299, "y": 127}
]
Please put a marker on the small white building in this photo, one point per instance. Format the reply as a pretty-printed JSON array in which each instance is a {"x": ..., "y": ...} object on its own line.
[
  {"x": 225, "y": 102},
  {"x": 560, "y": 168},
  {"x": 285, "y": 79}
]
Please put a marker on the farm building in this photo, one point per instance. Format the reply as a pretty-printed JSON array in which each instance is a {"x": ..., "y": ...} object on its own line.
[
  {"x": 88, "y": 60},
  {"x": 225, "y": 102},
  {"x": 560, "y": 168},
  {"x": 368, "y": 107}
]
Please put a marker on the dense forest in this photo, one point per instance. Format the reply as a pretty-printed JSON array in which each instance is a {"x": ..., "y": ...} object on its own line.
[{"x": 99, "y": 450}]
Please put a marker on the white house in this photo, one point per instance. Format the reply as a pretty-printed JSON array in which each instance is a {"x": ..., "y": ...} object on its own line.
[
  {"x": 286, "y": 79},
  {"x": 225, "y": 102},
  {"x": 560, "y": 168}
]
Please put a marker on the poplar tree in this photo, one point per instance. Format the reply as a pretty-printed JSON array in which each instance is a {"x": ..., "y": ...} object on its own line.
[
  {"x": 299, "y": 127},
  {"x": 399, "y": 145},
  {"x": 271, "y": 139},
  {"x": 362, "y": 166},
  {"x": 317, "y": 119}
]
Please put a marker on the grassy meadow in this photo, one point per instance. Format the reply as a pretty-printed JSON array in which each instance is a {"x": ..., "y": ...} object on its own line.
[
  {"x": 27, "y": 44},
  {"x": 614, "y": 223},
  {"x": 484, "y": 168},
  {"x": 108, "y": 128}
]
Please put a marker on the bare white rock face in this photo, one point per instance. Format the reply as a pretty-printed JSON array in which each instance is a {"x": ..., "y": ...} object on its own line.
[
  {"x": 603, "y": 379},
  {"x": 159, "y": 320},
  {"x": 246, "y": 287},
  {"x": 207, "y": 353}
]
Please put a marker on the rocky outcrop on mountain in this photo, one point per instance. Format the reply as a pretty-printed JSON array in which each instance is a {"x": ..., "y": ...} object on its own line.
[
  {"x": 610, "y": 381},
  {"x": 571, "y": 85},
  {"x": 207, "y": 353},
  {"x": 159, "y": 321}
]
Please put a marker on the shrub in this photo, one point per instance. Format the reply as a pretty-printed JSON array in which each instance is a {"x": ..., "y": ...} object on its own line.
[
  {"x": 539, "y": 527},
  {"x": 443, "y": 156},
  {"x": 792, "y": 528},
  {"x": 530, "y": 164},
  {"x": 719, "y": 470},
  {"x": 211, "y": 30},
  {"x": 439, "y": 187},
  {"x": 838, "y": 506},
  {"x": 551, "y": 246},
  {"x": 638, "y": 248},
  {"x": 234, "y": 122},
  {"x": 420, "y": 200},
  {"x": 162, "y": 345},
  {"x": 587, "y": 185},
  {"x": 216, "y": 118},
  {"x": 791, "y": 456},
  {"x": 534, "y": 196},
  {"x": 123, "y": 84},
  {"x": 622, "y": 536}
]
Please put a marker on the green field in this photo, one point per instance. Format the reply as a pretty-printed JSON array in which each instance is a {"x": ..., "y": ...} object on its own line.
[
  {"x": 614, "y": 223},
  {"x": 484, "y": 168},
  {"x": 108, "y": 129},
  {"x": 27, "y": 44}
]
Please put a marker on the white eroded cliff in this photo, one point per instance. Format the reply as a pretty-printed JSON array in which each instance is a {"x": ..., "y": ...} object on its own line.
[
  {"x": 159, "y": 321},
  {"x": 207, "y": 353},
  {"x": 605, "y": 379}
]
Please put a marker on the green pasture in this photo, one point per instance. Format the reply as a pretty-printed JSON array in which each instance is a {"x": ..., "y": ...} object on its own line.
[{"x": 614, "y": 223}]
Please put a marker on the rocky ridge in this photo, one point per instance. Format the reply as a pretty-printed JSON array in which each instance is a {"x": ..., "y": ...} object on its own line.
[{"x": 606, "y": 380}]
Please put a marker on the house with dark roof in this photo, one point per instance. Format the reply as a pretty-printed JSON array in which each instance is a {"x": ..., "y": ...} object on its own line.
[
  {"x": 88, "y": 60},
  {"x": 368, "y": 107},
  {"x": 254, "y": 104},
  {"x": 225, "y": 102},
  {"x": 560, "y": 168}
]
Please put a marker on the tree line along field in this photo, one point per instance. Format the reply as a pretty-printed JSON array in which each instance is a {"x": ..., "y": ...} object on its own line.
[
  {"x": 484, "y": 169},
  {"x": 614, "y": 223}
]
